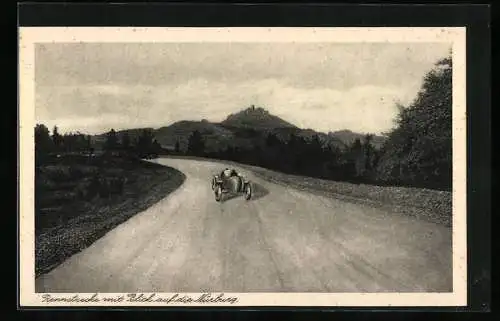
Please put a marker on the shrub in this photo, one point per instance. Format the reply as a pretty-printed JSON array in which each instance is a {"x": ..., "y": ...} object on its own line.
[{"x": 106, "y": 187}]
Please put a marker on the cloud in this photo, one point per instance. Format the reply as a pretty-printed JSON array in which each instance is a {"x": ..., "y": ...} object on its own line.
[
  {"x": 317, "y": 85},
  {"x": 306, "y": 64},
  {"x": 88, "y": 125},
  {"x": 361, "y": 108}
]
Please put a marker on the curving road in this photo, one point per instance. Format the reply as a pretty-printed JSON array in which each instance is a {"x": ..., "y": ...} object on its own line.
[{"x": 284, "y": 240}]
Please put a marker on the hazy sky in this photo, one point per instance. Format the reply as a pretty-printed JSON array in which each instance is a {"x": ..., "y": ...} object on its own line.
[{"x": 324, "y": 86}]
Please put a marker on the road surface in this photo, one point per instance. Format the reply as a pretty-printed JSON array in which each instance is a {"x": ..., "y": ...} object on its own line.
[{"x": 284, "y": 240}]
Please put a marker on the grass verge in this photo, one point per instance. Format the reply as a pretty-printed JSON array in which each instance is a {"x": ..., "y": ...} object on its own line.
[{"x": 78, "y": 200}]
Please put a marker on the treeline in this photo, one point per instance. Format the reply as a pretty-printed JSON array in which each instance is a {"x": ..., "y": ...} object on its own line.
[
  {"x": 417, "y": 152},
  {"x": 47, "y": 144},
  {"x": 144, "y": 145},
  {"x": 297, "y": 155}
]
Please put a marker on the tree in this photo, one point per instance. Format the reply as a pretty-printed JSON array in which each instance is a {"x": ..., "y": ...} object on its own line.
[
  {"x": 419, "y": 150},
  {"x": 43, "y": 142},
  {"x": 89, "y": 143},
  {"x": 111, "y": 140},
  {"x": 272, "y": 140},
  {"x": 145, "y": 143},
  {"x": 126, "y": 141},
  {"x": 368, "y": 152},
  {"x": 196, "y": 144},
  {"x": 69, "y": 142},
  {"x": 57, "y": 139},
  {"x": 156, "y": 147},
  {"x": 313, "y": 157},
  {"x": 73, "y": 142},
  {"x": 333, "y": 163},
  {"x": 177, "y": 147},
  {"x": 368, "y": 139},
  {"x": 357, "y": 157}
]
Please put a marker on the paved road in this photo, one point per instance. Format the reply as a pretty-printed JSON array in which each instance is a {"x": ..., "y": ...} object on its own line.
[{"x": 282, "y": 241}]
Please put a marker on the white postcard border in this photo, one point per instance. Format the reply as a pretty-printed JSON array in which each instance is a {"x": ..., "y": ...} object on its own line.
[{"x": 28, "y": 36}]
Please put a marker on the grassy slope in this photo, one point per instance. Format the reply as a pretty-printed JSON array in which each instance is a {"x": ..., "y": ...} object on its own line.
[{"x": 72, "y": 213}]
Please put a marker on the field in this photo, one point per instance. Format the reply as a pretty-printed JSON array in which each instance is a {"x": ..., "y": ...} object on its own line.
[{"x": 79, "y": 199}]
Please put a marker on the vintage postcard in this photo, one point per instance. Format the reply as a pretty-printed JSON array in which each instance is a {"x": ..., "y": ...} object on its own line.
[{"x": 230, "y": 167}]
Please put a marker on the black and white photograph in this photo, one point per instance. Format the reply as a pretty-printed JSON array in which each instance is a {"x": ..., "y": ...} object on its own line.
[{"x": 243, "y": 166}]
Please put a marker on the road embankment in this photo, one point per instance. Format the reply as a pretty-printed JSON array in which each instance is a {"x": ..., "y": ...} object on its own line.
[{"x": 79, "y": 200}]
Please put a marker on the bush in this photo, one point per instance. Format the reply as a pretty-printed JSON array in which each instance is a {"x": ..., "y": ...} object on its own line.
[
  {"x": 76, "y": 172},
  {"x": 106, "y": 187},
  {"x": 58, "y": 173}
]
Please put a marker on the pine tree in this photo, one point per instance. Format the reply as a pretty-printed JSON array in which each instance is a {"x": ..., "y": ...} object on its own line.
[
  {"x": 43, "y": 142},
  {"x": 126, "y": 141},
  {"x": 196, "y": 144},
  {"x": 57, "y": 139},
  {"x": 111, "y": 141}
]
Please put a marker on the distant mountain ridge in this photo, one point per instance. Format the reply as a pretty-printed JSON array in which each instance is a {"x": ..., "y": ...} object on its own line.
[
  {"x": 348, "y": 137},
  {"x": 245, "y": 129}
]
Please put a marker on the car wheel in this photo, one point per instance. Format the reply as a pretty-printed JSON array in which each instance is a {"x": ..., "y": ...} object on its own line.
[
  {"x": 218, "y": 193},
  {"x": 248, "y": 191}
]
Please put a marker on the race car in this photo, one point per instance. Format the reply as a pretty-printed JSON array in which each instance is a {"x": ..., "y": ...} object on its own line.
[{"x": 230, "y": 181}]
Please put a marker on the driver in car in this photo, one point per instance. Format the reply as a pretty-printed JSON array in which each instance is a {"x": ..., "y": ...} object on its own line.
[{"x": 227, "y": 173}]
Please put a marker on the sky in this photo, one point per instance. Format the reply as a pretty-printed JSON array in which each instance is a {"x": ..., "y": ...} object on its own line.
[{"x": 93, "y": 87}]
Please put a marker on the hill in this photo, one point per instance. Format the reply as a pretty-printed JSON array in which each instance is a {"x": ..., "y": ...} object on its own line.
[
  {"x": 245, "y": 129},
  {"x": 257, "y": 118},
  {"x": 214, "y": 134}
]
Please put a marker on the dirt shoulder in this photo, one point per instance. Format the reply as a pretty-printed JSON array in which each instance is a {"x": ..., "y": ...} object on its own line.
[
  {"x": 78, "y": 200},
  {"x": 430, "y": 205}
]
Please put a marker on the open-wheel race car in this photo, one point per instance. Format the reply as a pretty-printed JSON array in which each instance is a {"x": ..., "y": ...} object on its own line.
[{"x": 231, "y": 182}]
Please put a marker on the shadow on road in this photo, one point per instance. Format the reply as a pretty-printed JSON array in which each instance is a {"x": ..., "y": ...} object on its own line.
[{"x": 258, "y": 191}]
